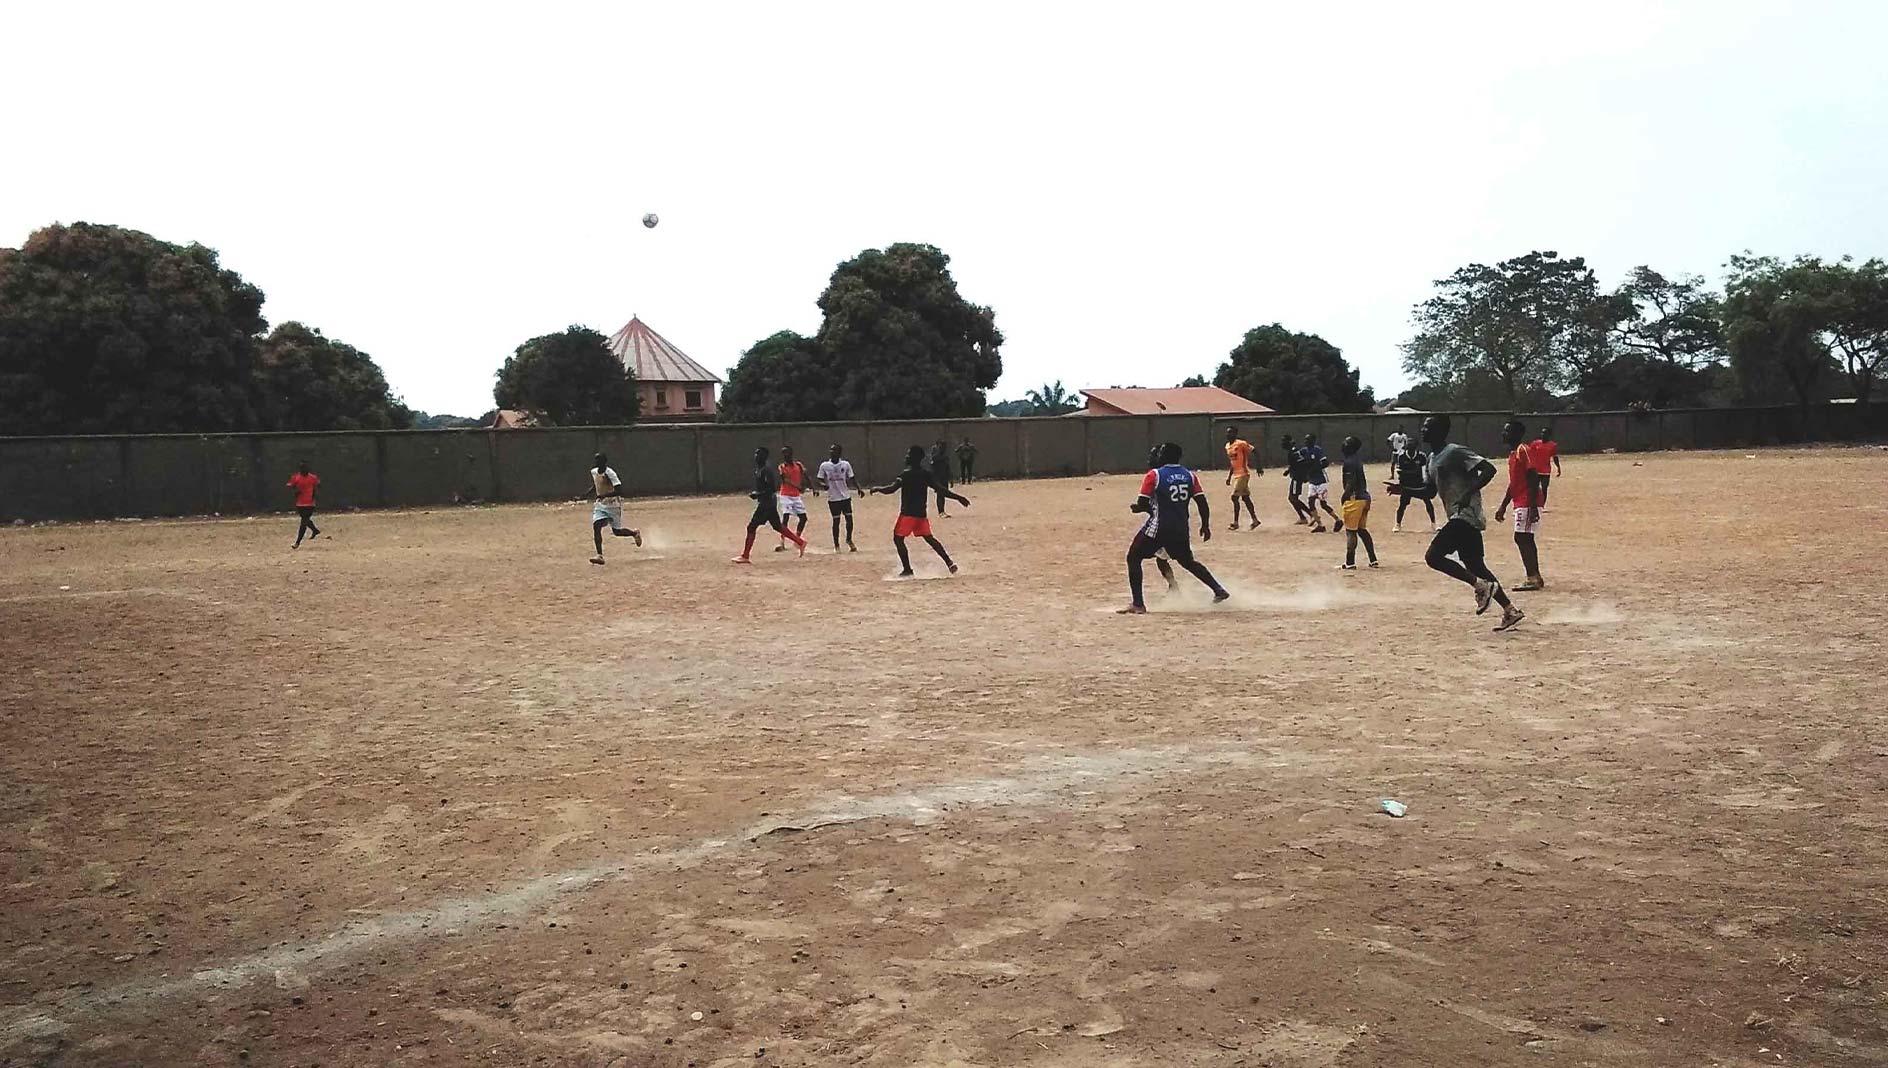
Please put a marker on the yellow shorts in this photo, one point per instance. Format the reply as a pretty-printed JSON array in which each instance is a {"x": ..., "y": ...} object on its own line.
[
  {"x": 1356, "y": 513},
  {"x": 1239, "y": 483}
]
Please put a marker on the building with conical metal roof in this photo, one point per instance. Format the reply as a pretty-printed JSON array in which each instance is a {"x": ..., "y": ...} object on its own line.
[{"x": 673, "y": 387}]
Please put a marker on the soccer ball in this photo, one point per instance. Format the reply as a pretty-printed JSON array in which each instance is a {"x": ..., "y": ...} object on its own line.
[{"x": 650, "y": 220}]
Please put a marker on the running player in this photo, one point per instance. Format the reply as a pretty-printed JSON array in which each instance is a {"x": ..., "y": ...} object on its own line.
[
  {"x": 1527, "y": 491},
  {"x": 303, "y": 482},
  {"x": 1317, "y": 486},
  {"x": 838, "y": 480},
  {"x": 1459, "y": 475},
  {"x": 766, "y": 510},
  {"x": 1165, "y": 492},
  {"x": 914, "y": 484},
  {"x": 608, "y": 511},
  {"x": 1356, "y": 506},
  {"x": 1412, "y": 483},
  {"x": 1294, "y": 473},
  {"x": 793, "y": 482},
  {"x": 1239, "y": 472}
]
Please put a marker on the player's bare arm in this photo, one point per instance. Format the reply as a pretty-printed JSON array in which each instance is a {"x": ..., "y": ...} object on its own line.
[
  {"x": 1206, "y": 517},
  {"x": 1539, "y": 483}
]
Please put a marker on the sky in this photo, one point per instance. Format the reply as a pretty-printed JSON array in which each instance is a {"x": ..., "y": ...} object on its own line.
[{"x": 1130, "y": 187}]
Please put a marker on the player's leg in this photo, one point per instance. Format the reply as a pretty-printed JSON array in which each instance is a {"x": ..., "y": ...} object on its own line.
[
  {"x": 1429, "y": 505},
  {"x": 938, "y": 548},
  {"x": 1183, "y": 555},
  {"x": 1251, "y": 510},
  {"x": 1530, "y": 561},
  {"x": 832, "y": 507},
  {"x": 596, "y": 533},
  {"x": 1350, "y": 550},
  {"x": 1291, "y": 497},
  {"x": 1475, "y": 561},
  {"x": 1370, "y": 547},
  {"x": 904, "y": 555},
  {"x": 781, "y": 529},
  {"x": 1402, "y": 505},
  {"x": 313, "y": 530},
  {"x": 1139, "y": 549},
  {"x": 848, "y": 514},
  {"x": 1441, "y": 547}
]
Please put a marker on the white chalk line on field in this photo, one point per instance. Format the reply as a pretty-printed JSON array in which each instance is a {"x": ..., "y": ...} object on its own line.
[{"x": 1042, "y": 782}]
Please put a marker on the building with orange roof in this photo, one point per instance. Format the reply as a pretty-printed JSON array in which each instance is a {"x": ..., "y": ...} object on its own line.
[{"x": 1181, "y": 400}]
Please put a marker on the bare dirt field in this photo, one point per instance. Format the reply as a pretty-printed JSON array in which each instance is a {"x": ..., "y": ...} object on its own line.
[{"x": 437, "y": 791}]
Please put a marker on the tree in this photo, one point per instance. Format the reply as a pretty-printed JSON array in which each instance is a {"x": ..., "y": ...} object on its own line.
[
  {"x": 1532, "y": 322},
  {"x": 783, "y": 378},
  {"x": 1292, "y": 372},
  {"x": 570, "y": 378},
  {"x": 1676, "y": 320},
  {"x": 1853, "y": 302},
  {"x": 902, "y": 343},
  {"x": 1009, "y": 409},
  {"x": 108, "y": 330},
  {"x": 430, "y": 421},
  {"x": 1773, "y": 320},
  {"x": 1665, "y": 337},
  {"x": 310, "y": 382},
  {"x": 1051, "y": 399},
  {"x": 1191, "y": 381}
]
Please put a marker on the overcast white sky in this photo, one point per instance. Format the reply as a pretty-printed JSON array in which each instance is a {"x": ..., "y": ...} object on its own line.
[{"x": 1130, "y": 186}]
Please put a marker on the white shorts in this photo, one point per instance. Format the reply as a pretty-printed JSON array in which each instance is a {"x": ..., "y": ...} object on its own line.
[
  {"x": 608, "y": 508},
  {"x": 792, "y": 505},
  {"x": 1316, "y": 491},
  {"x": 1524, "y": 525}
]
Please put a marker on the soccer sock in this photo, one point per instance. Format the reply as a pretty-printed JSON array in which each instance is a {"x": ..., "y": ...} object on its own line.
[
  {"x": 904, "y": 555},
  {"x": 1350, "y": 548},
  {"x": 748, "y": 549},
  {"x": 1134, "y": 578}
]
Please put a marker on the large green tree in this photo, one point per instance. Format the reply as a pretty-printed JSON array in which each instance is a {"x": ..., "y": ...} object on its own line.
[
  {"x": 570, "y": 378},
  {"x": 311, "y": 382},
  {"x": 1292, "y": 372},
  {"x": 1532, "y": 322},
  {"x": 1853, "y": 302},
  {"x": 109, "y": 330},
  {"x": 902, "y": 342},
  {"x": 1774, "y": 320},
  {"x": 783, "y": 378},
  {"x": 1667, "y": 340}
]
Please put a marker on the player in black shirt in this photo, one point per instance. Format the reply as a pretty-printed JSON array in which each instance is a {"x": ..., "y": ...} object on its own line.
[
  {"x": 1165, "y": 493},
  {"x": 766, "y": 509},
  {"x": 1294, "y": 473},
  {"x": 915, "y": 485},
  {"x": 1412, "y": 481}
]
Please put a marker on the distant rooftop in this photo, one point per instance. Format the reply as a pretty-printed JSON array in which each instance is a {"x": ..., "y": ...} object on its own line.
[
  {"x": 653, "y": 357},
  {"x": 1182, "y": 400}
]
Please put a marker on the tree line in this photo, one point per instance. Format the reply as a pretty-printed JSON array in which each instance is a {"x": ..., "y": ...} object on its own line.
[{"x": 1539, "y": 332}]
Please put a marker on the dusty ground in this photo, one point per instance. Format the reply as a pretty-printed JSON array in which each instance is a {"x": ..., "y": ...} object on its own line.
[{"x": 437, "y": 791}]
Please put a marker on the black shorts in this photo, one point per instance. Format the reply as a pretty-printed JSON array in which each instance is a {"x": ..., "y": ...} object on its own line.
[
  {"x": 839, "y": 508},
  {"x": 306, "y": 511},
  {"x": 1457, "y": 537},
  {"x": 1173, "y": 543},
  {"x": 1421, "y": 493},
  {"x": 766, "y": 514}
]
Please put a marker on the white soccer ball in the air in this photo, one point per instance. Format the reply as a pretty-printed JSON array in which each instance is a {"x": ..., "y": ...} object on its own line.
[{"x": 650, "y": 220}]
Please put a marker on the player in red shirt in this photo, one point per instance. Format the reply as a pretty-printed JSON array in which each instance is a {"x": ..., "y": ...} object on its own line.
[
  {"x": 1546, "y": 453},
  {"x": 793, "y": 483},
  {"x": 303, "y": 482},
  {"x": 1527, "y": 491}
]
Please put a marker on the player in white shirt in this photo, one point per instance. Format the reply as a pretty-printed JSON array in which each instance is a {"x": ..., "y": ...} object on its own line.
[
  {"x": 1398, "y": 442},
  {"x": 840, "y": 482},
  {"x": 608, "y": 511}
]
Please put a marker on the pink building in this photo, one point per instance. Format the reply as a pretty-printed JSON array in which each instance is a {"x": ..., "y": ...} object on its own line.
[{"x": 673, "y": 387}]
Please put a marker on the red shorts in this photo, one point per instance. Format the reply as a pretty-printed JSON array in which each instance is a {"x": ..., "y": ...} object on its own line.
[{"x": 910, "y": 526}]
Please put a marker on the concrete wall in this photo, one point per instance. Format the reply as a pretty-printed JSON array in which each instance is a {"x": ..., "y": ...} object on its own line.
[{"x": 181, "y": 474}]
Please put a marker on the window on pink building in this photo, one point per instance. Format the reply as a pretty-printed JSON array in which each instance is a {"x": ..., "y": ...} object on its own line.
[
  {"x": 691, "y": 400},
  {"x": 662, "y": 398}
]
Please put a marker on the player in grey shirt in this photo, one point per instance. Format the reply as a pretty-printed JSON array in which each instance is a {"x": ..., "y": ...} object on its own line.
[{"x": 1459, "y": 475}]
